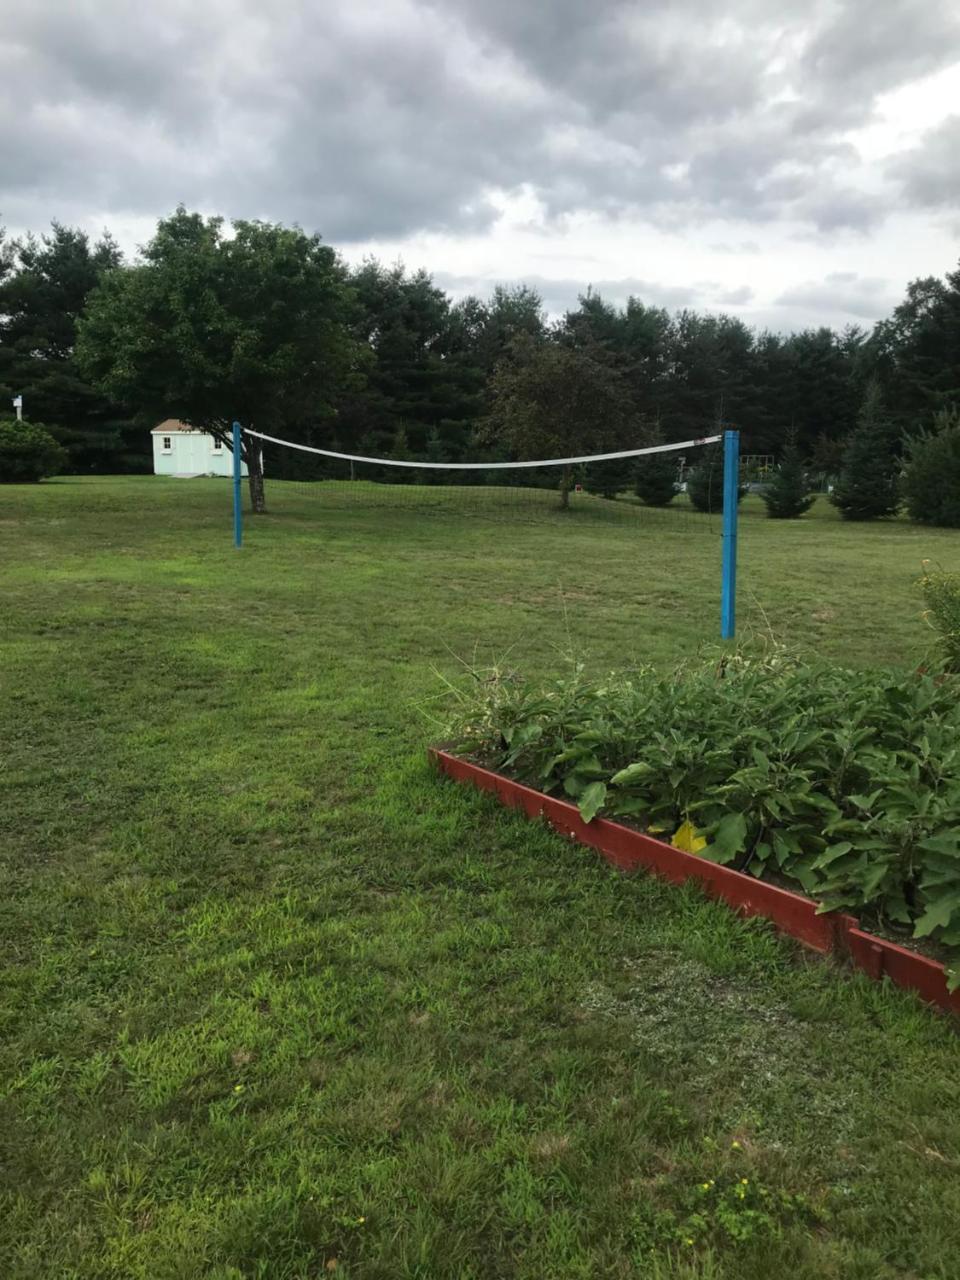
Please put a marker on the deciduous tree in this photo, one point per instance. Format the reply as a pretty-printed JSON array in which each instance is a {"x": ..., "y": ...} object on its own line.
[{"x": 212, "y": 327}]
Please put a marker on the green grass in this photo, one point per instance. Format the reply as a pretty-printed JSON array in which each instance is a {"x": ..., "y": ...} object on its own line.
[{"x": 278, "y": 1002}]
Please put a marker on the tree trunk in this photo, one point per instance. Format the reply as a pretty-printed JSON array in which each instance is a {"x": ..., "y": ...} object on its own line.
[
  {"x": 254, "y": 460},
  {"x": 566, "y": 484}
]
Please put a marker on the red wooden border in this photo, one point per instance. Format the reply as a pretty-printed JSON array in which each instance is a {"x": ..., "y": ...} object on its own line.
[{"x": 791, "y": 912}]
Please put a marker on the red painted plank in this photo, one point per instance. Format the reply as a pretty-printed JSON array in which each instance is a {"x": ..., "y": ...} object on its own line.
[
  {"x": 793, "y": 913},
  {"x": 905, "y": 968}
]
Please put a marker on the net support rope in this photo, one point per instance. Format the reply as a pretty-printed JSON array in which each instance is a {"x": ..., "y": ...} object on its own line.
[{"x": 486, "y": 466}]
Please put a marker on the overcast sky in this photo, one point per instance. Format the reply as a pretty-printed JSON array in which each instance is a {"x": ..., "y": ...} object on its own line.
[{"x": 791, "y": 163}]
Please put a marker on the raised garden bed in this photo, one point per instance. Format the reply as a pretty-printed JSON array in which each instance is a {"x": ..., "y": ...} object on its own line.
[{"x": 794, "y": 914}]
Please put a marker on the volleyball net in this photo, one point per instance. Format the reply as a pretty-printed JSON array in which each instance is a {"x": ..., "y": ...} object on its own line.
[{"x": 683, "y": 486}]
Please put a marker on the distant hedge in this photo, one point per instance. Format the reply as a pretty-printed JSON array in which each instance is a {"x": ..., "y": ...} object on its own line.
[{"x": 28, "y": 452}]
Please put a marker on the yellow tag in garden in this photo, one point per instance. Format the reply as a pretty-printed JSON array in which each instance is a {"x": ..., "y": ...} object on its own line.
[{"x": 688, "y": 839}]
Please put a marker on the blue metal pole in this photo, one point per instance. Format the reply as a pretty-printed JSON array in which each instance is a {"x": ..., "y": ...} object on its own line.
[
  {"x": 237, "y": 499},
  {"x": 731, "y": 486}
]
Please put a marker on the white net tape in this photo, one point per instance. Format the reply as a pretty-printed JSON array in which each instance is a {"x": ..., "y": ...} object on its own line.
[{"x": 487, "y": 466}]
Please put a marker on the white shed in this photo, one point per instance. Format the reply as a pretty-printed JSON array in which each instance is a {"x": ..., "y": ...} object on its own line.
[{"x": 182, "y": 450}]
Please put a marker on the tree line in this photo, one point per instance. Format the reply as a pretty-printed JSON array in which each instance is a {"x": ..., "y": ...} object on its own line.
[{"x": 269, "y": 325}]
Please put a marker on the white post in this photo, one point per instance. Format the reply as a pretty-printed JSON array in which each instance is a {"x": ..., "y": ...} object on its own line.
[{"x": 18, "y": 405}]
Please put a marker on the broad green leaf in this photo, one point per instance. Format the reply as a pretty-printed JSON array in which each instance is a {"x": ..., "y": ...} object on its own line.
[
  {"x": 948, "y": 843},
  {"x": 574, "y": 785},
  {"x": 865, "y": 802},
  {"x": 592, "y": 799},
  {"x": 632, "y": 773},
  {"x": 936, "y": 916},
  {"x": 832, "y": 853},
  {"x": 629, "y": 806},
  {"x": 730, "y": 837}
]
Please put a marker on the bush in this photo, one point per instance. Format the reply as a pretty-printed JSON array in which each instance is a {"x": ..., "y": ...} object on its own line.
[
  {"x": 868, "y": 488},
  {"x": 931, "y": 480},
  {"x": 705, "y": 483},
  {"x": 609, "y": 478},
  {"x": 941, "y": 594},
  {"x": 28, "y": 452},
  {"x": 655, "y": 482},
  {"x": 845, "y": 782},
  {"x": 788, "y": 493}
]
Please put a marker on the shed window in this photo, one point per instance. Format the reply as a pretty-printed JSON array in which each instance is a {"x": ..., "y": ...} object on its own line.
[
  {"x": 217, "y": 444},
  {"x": 166, "y": 444}
]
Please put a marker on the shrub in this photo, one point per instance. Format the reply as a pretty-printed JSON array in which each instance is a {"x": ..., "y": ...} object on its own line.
[
  {"x": 931, "y": 480},
  {"x": 788, "y": 493},
  {"x": 941, "y": 594},
  {"x": 846, "y": 782},
  {"x": 608, "y": 478},
  {"x": 867, "y": 488},
  {"x": 28, "y": 452},
  {"x": 655, "y": 481},
  {"x": 705, "y": 483}
]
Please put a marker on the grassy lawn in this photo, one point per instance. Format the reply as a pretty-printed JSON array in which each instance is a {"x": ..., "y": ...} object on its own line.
[{"x": 278, "y": 1002}]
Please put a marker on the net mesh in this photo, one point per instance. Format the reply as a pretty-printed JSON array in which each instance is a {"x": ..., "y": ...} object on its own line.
[{"x": 589, "y": 489}]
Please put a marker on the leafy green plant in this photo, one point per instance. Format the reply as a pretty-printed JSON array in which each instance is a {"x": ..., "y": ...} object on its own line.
[
  {"x": 845, "y": 782},
  {"x": 730, "y": 1208},
  {"x": 28, "y": 452},
  {"x": 941, "y": 594}
]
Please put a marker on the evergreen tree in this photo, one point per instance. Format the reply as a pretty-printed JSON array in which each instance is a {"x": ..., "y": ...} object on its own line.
[
  {"x": 918, "y": 349},
  {"x": 788, "y": 494},
  {"x": 435, "y": 451},
  {"x": 705, "y": 482},
  {"x": 44, "y": 286},
  {"x": 867, "y": 488},
  {"x": 655, "y": 475},
  {"x": 608, "y": 478},
  {"x": 400, "y": 452},
  {"x": 931, "y": 480}
]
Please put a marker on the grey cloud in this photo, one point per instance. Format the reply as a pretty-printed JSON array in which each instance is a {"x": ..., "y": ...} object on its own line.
[
  {"x": 735, "y": 297},
  {"x": 844, "y": 293},
  {"x": 381, "y": 118},
  {"x": 866, "y": 49},
  {"x": 930, "y": 174}
]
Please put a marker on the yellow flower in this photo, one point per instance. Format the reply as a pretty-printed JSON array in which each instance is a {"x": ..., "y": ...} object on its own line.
[
  {"x": 705, "y": 1185},
  {"x": 735, "y": 1145},
  {"x": 744, "y": 1181},
  {"x": 688, "y": 1241}
]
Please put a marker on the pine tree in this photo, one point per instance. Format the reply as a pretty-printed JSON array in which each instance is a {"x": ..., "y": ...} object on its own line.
[
  {"x": 400, "y": 452},
  {"x": 867, "y": 488},
  {"x": 435, "y": 451},
  {"x": 705, "y": 482},
  {"x": 608, "y": 478},
  {"x": 931, "y": 479},
  {"x": 655, "y": 475},
  {"x": 788, "y": 495}
]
